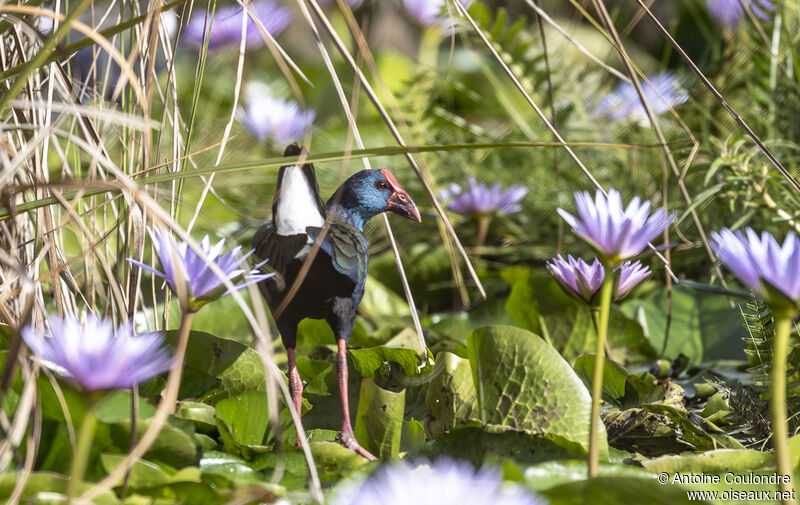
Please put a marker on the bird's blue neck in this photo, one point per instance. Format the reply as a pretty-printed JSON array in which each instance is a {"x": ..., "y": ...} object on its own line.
[{"x": 351, "y": 214}]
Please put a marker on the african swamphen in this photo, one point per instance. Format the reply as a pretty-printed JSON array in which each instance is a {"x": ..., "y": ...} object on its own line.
[{"x": 319, "y": 252}]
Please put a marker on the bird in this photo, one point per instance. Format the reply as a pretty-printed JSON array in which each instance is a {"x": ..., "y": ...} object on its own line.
[{"x": 319, "y": 254}]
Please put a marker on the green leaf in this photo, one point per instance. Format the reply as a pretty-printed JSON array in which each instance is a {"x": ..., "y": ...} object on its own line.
[
  {"x": 525, "y": 384},
  {"x": 45, "y": 487},
  {"x": 246, "y": 415},
  {"x": 642, "y": 388},
  {"x": 145, "y": 474},
  {"x": 614, "y": 376},
  {"x": 543, "y": 476},
  {"x": 701, "y": 434},
  {"x": 368, "y": 361},
  {"x": 175, "y": 444},
  {"x": 217, "y": 368},
  {"x": 703, "y": 325},
  {"x": 379, "y": 422},
  {"x": 116, "y": 407},
  {"x": 494, "y": 444},
  {"x": 333, "y": 460},
  {"x": 318, "y": 374},
  {"x": 413, "y": 435},
  {"x": 201, "y": 415},
  {"x": 718, "y": 461},
  {"x": 643, "y": 432},
  {"x": 451, "y": 398},
  {"x": 221, "y": 463},
  {"x": 615, "y": 490},
  {"x": 314, "y": 332}
]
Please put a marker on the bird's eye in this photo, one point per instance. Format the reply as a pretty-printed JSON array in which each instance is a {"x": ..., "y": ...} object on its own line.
[{"x": 380, "y": 185}]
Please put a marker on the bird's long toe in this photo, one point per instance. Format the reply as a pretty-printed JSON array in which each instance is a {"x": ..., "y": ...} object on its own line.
[{"x": 349, "y": 441}]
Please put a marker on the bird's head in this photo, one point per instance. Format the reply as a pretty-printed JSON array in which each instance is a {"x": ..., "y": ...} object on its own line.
[{"x": 369, "y": 193}]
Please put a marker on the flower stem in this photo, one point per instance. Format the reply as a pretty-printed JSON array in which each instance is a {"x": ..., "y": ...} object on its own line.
[
  {"x": 81, "y": 456},
  {"x": 777, "y": 403},
  {"x": 483, "y": 230},
  {"x": 597, "y": 376},
  {"x": 174, "y": 377}
]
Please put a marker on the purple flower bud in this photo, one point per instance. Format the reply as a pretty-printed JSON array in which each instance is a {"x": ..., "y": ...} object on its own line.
[
  {"x": 630, "y": 275},
  {"x": 94, "y": 357},
  {"x": 617, "y": 233}
]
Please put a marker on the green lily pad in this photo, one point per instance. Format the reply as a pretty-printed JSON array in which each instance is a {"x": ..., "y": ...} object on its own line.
[
  {"x": 717, "y": 461},
  {"x": 523, "y": 383},
  {"x": 549, "y": 474},
  {"x": 613, "y": 490}
]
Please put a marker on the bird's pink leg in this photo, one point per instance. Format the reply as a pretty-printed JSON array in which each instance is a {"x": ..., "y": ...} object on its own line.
[
  {"x": 348, "y": 438},
  {"x": 295, "y": 386}
]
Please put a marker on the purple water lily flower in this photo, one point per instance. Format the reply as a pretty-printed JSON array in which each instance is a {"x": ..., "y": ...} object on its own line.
[
  {"x": 730, "y": 12},
  {"x": 202, "y": 284},
  {"x": 433, "y": 12},
  {"x": 584, "y": 280},
  {"x": 479, "y": 199},
  {"x": 760, "y": 262},
  {"x": 95, "y": 357},
  {"x": 624, "y": 104},
  {"x": 617, "y": 233},
  {"x": 226, "y": 25},
  {"x": 425, "y": 12},
  {"x": 267, "y": 117},
  {"x": 444, "y": 482}
]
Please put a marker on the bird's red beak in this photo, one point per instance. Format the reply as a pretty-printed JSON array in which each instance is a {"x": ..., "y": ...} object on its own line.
[{"x": 400, "y": 203}]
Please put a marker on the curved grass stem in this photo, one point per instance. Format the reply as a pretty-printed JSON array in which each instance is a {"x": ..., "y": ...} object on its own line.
[
  {"x": 597, "y": 376},
  {"x": 777, "y": 404}
]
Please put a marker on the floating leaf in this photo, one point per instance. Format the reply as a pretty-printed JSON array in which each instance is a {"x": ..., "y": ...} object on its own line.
[
  {"x": 614, "y": 490},
  {"x": 524, "y": 383},
  {"x": 719, "y": 461},
  {"x": 546, "y": 475},
  {"x": 494, "y": 444}
]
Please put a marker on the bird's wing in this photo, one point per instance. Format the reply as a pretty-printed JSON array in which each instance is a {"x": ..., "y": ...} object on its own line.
[
  {"x": 347, "y": 247},
  {"x": 297, "y": 203},
  {"x": 279, "y": 250}
]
